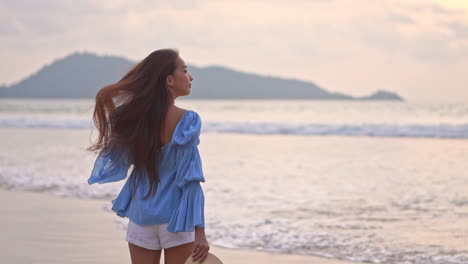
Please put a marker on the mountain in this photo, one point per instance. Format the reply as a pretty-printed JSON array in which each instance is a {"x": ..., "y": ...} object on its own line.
[
  {"x": 81, "y": 75},
  {"x": 216, "y": 82},
  {"x": 382, "y": 95}
]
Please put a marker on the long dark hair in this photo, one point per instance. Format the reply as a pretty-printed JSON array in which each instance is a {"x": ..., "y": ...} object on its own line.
[{"x": 130, "y": 115}]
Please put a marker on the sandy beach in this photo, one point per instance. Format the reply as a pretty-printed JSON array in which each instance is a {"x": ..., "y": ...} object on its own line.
[{"x": 43, "y": 228}]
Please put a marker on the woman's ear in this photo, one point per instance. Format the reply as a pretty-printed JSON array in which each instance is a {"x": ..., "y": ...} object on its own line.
[
  {"x": 169, "y": 81},
  {"x": 170, "y": 85}
]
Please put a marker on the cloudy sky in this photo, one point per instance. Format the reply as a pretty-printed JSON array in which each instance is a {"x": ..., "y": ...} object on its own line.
[{"x": 417, "y": 48}]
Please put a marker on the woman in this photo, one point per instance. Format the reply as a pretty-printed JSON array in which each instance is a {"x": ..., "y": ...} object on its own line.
[{"x": 140, "y": 126}]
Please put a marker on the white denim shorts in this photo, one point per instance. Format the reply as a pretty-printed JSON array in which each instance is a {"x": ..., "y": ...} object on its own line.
[{"x": 156, "y": 236}]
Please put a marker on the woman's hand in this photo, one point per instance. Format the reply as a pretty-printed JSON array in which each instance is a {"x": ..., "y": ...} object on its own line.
[{"x": 201, "y": 247}]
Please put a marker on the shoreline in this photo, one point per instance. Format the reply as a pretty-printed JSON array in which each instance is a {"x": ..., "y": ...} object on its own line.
[{"x": 45, "y": 228}]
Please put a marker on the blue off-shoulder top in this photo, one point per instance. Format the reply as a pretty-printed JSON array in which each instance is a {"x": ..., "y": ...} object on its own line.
[{"x": 179, "y": 199}]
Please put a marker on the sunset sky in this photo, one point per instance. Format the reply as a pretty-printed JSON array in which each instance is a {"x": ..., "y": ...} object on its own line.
[{"x": 417, "y": 48}]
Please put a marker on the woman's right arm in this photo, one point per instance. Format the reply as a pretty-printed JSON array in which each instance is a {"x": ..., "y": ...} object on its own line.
[{"x": 201, "y": 247}]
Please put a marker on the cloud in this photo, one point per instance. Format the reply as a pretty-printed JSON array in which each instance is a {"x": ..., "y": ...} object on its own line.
[
  {"x": 52, "y": 17},
  {"x": 459, "y": 29},
  {"x": 437, "y": 9},
  {"x": 399, "y": 18},
  {"x": 8, "y": 27},
  {"x": 425, "y": 46},
  {"x": 48, "y": 17},
  {"x": 415, "y": 33}
]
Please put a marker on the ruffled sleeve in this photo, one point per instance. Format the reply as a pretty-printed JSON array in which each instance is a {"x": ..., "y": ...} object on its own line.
[
  {"x": 190, "y": 210},
  {"x": 110, "y": 166}
]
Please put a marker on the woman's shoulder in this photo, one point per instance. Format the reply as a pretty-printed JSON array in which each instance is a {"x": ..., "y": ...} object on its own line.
[
  {"x": 181, "y": 112},
  {"x": 188, "y": 128}
]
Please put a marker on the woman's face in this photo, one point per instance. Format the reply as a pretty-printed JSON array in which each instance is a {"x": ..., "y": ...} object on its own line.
[{"x": 180, "y": 81}]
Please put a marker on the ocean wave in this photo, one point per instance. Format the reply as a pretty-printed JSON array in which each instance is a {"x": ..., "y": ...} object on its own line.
[
  {"x": 46, "y": 122},
  {"x": 363, "y": 129},
  {"x": 373, "y": 130}
]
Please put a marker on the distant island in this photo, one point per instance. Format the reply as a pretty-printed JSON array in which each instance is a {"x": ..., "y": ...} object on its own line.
[{"x": 81, "y": 75}]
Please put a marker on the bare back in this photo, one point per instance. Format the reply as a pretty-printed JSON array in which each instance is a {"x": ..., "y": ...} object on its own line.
[{"x": 174, "y": 115}]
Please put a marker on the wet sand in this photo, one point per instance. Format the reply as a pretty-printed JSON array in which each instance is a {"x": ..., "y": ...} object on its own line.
[{"x": 43, "y": 228}]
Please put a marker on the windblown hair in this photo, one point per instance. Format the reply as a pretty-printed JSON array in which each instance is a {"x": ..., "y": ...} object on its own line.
[{"x": 130, "y": 115}]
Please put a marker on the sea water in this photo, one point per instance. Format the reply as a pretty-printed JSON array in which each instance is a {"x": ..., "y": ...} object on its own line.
[{"x": 378, "y": 182}]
